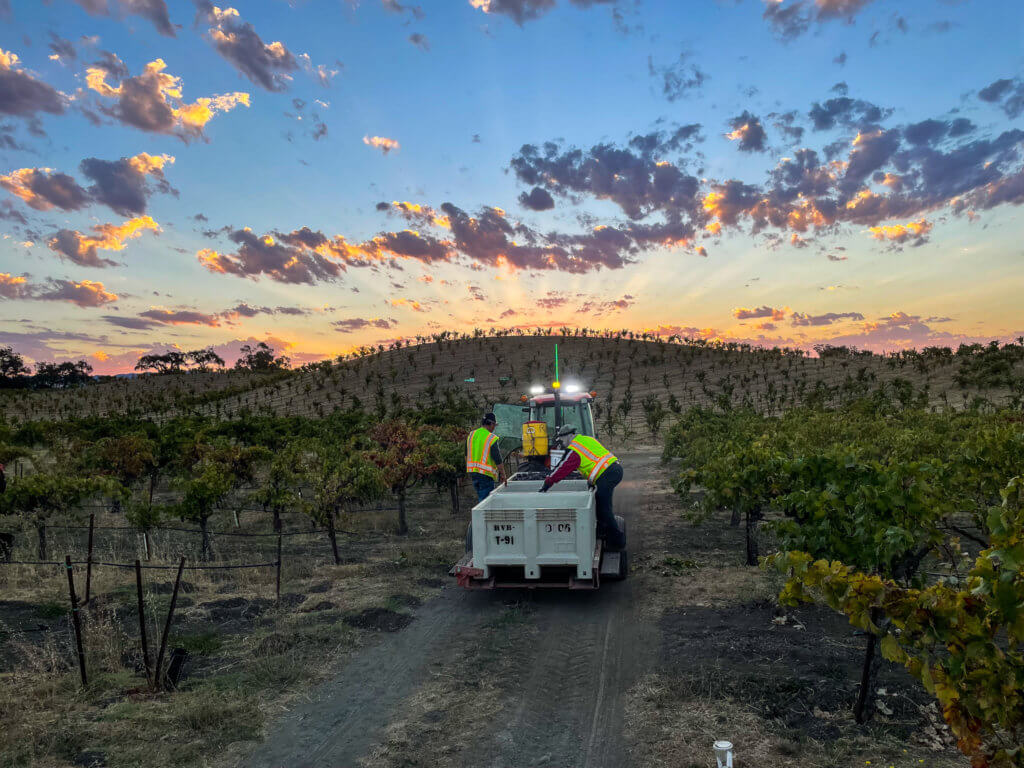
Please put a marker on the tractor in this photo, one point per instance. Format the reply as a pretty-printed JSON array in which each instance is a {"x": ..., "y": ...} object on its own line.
[{"x": 522, "y": 538}]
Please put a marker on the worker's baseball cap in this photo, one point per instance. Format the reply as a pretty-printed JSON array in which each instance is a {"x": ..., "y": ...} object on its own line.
[{"x": 490, "y": 418}]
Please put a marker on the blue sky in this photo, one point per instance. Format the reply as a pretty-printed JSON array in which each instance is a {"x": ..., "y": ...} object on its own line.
[{"x": 461, "y": 87}]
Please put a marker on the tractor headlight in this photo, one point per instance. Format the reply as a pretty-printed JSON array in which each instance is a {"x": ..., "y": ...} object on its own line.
[
  {"x": 572, "y": 387},
  {"x": 537, "y": 389}
]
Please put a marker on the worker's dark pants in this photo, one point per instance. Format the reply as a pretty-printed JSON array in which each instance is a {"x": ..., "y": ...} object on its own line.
[
  {"x": 483, "y": 485},
  {"x": 607, "y": 528}
]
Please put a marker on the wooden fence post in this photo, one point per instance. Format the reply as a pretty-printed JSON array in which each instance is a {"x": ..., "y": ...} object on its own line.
[
  {"x": 158, "y": 673},
  {"x": 88, "y": 561},
  {"x": 142, "y": 623},
  {"x": 278, "y": 586},
  {"x": 76, "y": 620}
]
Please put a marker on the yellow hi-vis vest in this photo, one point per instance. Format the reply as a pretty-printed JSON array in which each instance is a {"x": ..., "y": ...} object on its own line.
[
  {"x": 478, "y": 452},
  {"x": 594, "y": 457}
]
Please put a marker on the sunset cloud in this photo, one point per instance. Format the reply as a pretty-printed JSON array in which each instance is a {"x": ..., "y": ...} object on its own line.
[
  {"x": 537, "y": 199},
  {"x": 748, "y": 131},
  {"x": 265, "y": 64},
  {"x": 409, "y": 244},
  {"x": 44, "y": 189},
  {"x": 397, "y": 7},
  {"x": 517, "y": 10},
  {"x": 900, "y": 172},
  {"x": 742, "y": 313},
  {"x": 243, "y": 309},
  {"x": 352, "y": 324},
  {"x": 180, "y": 317},
  {"x": 792, "y": 18},
  {"x": 13, "y": 286},
  {"x": 803, "y": 319},
  {"x": 81, "y": 248},
  {"x": 120, "y": 184},
  {"x": 301, "y": 257},
  {"x": 415, "y": 306},
  {"x": 85, "y": 293},
  {"x": 22, "y": 93},
  {"x": 1007, "y": 93},
  {"x": 901, "y": 233},
  {"x": 422, "y": 215},
  {"x": 382, "y": 143},
  {"x": 153, "y": 101},
  {"x": 679, "y": 78},
  {"x": 154, "y": 11}
]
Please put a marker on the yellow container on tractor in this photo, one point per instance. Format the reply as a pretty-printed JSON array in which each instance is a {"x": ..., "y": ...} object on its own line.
[{"x": 535, "y": 438}]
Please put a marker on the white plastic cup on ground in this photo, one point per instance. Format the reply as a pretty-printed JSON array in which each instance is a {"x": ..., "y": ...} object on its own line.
[{"x": 723, "y": 753}]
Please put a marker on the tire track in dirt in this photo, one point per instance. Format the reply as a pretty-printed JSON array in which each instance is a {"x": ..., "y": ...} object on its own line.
[
  {"x": 344, "y": 716},
  {"x": 567, "y": 709},
  {"x": 564, "y": 706}
]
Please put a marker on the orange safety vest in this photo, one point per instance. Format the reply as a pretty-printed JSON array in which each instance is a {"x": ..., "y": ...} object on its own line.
[
  {"x": 478, "y": 452},
  {"x": 594, "y": 457}
]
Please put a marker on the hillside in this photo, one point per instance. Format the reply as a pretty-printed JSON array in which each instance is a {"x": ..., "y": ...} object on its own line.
[{"x": 669, "y": 376}]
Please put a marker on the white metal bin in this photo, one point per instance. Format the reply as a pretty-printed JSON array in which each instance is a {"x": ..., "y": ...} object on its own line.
[{"x": 519, "y": 526}]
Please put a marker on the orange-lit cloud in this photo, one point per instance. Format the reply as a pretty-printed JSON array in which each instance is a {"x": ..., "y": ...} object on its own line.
[
  {"x": 180, "y": 317},
  {"x": 153, "y": 101},
  {"x": 145, "y": 163},
  {"x": 13, "y": 286},
  {"x": 421, "y": 214},
  {"x": 383, "y": 143},
  {"x": 415, "y": 306},
  {"x": 81, "y": 248},
  {"x": 22, "y": 93},
  {"x": 742, "y": 313},
  {"x": 86, "y": 293},
  {"x": 45, "y": 189},
  {"x": 900, "y": 233}
]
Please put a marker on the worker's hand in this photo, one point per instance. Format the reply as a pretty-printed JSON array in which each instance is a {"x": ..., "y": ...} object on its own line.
[{"x": 546, "y": 487}]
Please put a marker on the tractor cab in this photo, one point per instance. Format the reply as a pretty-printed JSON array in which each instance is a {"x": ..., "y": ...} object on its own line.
[
  {"x": 569, "y": 408},
  {"x": 532, "y": 425}
]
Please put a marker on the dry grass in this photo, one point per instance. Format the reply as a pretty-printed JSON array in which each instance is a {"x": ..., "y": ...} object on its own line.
[
  {"x": 248, "y": 656},
  {"x": 674, "y": 722}
]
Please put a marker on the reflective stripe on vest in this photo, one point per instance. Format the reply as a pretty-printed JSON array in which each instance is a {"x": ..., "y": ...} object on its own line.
[
  {"x": 594, "y": 457},
  {"x": 478, "y": 452}
]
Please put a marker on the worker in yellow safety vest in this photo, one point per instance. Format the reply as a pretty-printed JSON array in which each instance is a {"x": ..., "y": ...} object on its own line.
[
  {"x": 602, "y": 470},
  {"x": 483, "y": 459}
]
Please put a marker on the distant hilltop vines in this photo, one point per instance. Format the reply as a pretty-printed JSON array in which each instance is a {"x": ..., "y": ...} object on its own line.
[
  {"x": 991, "y": 359},
  {"x": 644, "y": 380}
]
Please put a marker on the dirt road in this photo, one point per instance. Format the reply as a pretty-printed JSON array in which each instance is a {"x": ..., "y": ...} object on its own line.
[
  {"x": 487, "y": 679},
  {"x": 647, "y": 672}
]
